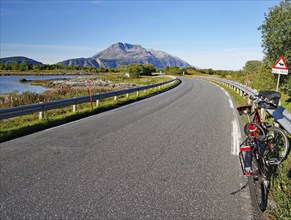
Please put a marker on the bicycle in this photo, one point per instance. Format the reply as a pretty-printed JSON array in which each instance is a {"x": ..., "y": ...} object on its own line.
[
  {"x": 264, "y": 147},
  {"x": 273, "y": 136}
]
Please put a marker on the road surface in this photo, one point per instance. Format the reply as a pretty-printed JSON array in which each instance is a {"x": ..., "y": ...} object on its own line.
[{"x": 171, "y": 156}]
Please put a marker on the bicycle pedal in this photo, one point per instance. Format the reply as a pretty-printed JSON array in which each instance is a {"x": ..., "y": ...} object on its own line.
[{"x": 273, "y": 161}]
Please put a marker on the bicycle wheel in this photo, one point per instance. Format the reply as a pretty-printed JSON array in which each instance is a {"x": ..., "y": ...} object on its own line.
[
  {"x": 257, "y": 130},
  {"x": 258, "y": 189},
  {"x": 278, "y": 144}
]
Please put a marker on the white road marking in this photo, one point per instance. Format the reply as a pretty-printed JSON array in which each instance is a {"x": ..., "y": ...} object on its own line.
[
  {"x": 230, "y": 104},
  {"x": 236, "y": 137},
  {"x": 235, "y": 130}
]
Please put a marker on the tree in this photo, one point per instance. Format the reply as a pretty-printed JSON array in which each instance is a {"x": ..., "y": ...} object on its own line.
[
  {"x": 134, "y": 70},
  {"x": 259, "y": 76},
  {"x": 147, "y": 69},
  {"x": 173, "y": 70},
  {"x": 252, "y": 66},
  {"x": 276, "y": 33},
  {"x": 23, "y": 66}
]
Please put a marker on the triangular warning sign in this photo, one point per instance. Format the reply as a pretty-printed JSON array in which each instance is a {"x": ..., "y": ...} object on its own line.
[{"x": 280, "y": 64}]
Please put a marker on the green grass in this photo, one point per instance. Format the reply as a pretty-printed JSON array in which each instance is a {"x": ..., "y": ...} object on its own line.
[
  {"x": 26, "y": 124},
  {"x": 281, "y": 190}
]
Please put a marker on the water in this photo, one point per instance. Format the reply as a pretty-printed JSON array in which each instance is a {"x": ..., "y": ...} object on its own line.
[{"x": 9, "y": 84}]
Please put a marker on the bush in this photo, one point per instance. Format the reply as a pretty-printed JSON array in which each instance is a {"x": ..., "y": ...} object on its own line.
[
  {"x": 173, "y": 70},
  {"x": 134, "y": 70},
  {"x": 287, "y": 86}
]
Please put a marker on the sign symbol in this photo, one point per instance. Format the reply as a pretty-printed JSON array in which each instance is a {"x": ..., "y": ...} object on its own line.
[{"x": 280, "y": 67}]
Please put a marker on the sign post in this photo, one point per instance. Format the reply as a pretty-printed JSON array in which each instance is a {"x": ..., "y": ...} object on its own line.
[
  {"x": 90, "y": 93},
  {"x": 279, "y": 68}
]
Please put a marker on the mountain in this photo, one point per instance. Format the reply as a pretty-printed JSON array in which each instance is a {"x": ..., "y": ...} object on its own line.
[
  {"x": 123, "y": 54},
  {"x": 13, "y": 60}
]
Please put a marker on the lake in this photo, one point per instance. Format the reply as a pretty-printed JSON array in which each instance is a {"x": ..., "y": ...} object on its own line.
[{"x": 9, "y": 84}]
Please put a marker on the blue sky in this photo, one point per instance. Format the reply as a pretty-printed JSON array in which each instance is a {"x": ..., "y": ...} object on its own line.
[{"x": 206, "y": 34}]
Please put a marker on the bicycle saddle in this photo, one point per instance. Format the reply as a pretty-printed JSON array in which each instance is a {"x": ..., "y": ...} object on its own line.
[
  {"x": 270, "y": 94},
  {"x": 244, "y": 109},
  {"x": 272, "y": 99}
]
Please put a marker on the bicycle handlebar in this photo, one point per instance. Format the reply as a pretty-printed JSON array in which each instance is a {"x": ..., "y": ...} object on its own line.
[{"x": 261, "y": 100}]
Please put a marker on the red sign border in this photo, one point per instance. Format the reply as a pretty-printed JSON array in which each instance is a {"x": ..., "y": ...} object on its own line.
[{"x": 281, "y": 57}]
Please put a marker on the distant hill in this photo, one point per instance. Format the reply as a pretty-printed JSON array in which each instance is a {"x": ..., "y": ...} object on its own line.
[
  {"x": 19, "y": 60},
  {"x": 123, "y": 54}
]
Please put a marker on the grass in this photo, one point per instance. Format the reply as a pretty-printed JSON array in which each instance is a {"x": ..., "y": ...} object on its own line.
[
  {"x": 14, "y": 99},
  {"x": 27, "y": 124},
  {"x": 280, "y": 188}
]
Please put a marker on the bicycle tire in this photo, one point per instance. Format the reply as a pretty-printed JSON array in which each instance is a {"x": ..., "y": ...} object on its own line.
[
  {"x": 260, "y": 132},
  {"x": 258, "y": 194},
  {"x": 258, "y": 189},
  {"x": 279, "y": 145}
]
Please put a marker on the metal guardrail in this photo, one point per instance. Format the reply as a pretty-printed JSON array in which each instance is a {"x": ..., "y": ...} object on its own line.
[
  {"x": 40, "y": 107},
  {"x": 281, "y": 115}
]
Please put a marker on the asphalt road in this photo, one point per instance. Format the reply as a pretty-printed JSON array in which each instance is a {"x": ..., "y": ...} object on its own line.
[{"x": 166, "y": 157}]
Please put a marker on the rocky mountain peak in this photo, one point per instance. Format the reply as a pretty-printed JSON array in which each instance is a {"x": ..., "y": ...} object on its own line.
[{"x": 123, "y": 54}]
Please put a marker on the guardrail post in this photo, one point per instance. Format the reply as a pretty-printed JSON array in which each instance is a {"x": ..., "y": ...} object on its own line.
[
  {"x": 41, "y": 114},
  {"x": 74, "y": 108},
  {"x": 241, "y": 93}
]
